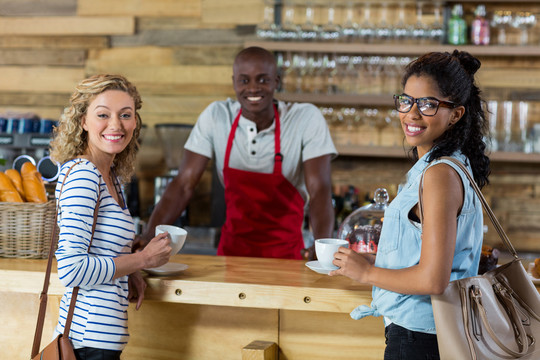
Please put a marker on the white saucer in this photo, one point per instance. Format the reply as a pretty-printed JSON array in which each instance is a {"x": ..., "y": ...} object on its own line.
[
  {"x": 168, "y": 269},
  {"x": 318, "y": 268}
]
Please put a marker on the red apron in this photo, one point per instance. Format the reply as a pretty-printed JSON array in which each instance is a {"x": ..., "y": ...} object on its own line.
[{"x": 264, "y": 211}]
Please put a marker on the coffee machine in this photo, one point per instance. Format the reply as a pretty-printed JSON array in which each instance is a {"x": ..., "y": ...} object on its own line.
[
  {"x": 27, "y": 139},
  {"x": 172, "y": 137}
]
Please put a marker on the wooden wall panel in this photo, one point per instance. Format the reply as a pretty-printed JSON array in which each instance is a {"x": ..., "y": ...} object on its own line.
[
  {"x": 145, "y": 23},
  {"x": 191, "y": 74},
  {"x": 180, "y": 37},
  {"x": 67, "y": 25},
  {"x": 39, "y": 78},
  {"x": 33, "y": 99},
  {"x": 232, "y": 11},
  {"x": 53, "y": 42},
  {"x": 210, "y": 55},
  {"x": 162, "y": 8},
  {"x": 43, "y": 57},
  {"x": 177, "y": 104},
  {"x": 134, "y": 56},
  {"x": 46, "y": 112},
  {"x": 37, "y": 7}
]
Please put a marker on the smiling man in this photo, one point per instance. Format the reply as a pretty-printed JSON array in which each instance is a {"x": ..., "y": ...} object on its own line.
[{"x": 273, "y": 159}]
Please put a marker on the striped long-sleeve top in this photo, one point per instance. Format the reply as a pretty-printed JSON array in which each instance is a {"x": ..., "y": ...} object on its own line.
[{"x": 100, "y": 318}]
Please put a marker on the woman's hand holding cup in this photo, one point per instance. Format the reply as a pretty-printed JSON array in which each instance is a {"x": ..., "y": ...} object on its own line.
[{"x": 158, "y": 251}]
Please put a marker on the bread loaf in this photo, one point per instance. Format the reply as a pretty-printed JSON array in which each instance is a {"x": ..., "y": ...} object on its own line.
[
  {"x": 535, "y": 271},
  {"x": 8, "y": 192},
  {"x": 34, "y": 189},
  {"x": 16, "y": 179}
]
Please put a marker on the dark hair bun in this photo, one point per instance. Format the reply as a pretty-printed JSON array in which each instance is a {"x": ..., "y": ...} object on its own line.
[{"x": 469, "y": 62}]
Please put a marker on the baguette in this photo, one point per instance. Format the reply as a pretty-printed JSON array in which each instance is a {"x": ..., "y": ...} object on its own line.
[
  {"x": 16, "y": 179},
  {"x": 8, "y": 192},
  {"x": 34, "y": 189}
]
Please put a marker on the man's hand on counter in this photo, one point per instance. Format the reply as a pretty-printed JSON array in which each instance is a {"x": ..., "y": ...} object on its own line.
[{"x": 309, "y": 253}]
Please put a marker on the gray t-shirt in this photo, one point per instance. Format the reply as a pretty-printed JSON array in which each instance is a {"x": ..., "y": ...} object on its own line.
[{"x": 304, "y": 136}]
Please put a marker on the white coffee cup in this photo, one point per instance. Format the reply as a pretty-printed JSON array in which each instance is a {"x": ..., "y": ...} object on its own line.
[
  {"x": 177, "y": 234},
  {"x": 325, "y": 250}
]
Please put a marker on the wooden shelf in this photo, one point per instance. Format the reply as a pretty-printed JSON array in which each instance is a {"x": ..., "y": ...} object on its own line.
[
  {"x": 338, "y": 99},
  {"x": 398, "y": 153},
  {"x": 394, "y": 49}
]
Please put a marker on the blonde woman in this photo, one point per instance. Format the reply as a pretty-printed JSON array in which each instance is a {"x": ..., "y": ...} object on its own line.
[{"x": 97, "y": 138}]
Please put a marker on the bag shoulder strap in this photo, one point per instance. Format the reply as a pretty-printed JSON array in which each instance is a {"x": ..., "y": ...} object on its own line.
[
  {"x": 485, "y": 204},
  {"x": 43, "y": 296}
]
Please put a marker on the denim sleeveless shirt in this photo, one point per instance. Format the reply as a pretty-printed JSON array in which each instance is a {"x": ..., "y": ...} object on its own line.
[{"x": 400, "y": 244}]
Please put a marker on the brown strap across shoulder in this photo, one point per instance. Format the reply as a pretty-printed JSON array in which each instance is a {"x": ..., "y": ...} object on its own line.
[
  {"x": 43, "y": 297},
  {"x": 483, "y": 200}
]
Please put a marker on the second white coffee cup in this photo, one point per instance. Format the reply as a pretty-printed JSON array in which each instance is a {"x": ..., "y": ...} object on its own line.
[
  {"x": 177, "y": 234},
  {"x": 325, "y": 250}
]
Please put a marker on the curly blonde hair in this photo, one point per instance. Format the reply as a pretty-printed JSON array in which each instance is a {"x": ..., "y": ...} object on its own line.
[{"x": 71, "y": 140}]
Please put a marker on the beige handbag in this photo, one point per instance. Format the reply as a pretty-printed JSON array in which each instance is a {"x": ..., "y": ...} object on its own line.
[{"x": 492, "y": 316}]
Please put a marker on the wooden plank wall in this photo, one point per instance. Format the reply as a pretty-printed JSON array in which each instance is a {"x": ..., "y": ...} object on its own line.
[{"x": 179, "y": 54}]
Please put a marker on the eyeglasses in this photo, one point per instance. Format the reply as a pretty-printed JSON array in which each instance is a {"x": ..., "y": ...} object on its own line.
[{"x": 428, "y": 106}]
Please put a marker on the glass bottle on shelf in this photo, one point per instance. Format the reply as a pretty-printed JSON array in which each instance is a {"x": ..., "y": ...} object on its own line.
[
  {"x": 390, "y": 76},
  {"x": 501, "y": 20},
  {"x": 374, "y": 74},
  {"x": 289, "y": 31},
  {"x": 350, "y": 76},
  {"x": 524, "y": 20},
  {"x": 383, "y": 31},
  {"x": 457, "y": 28},
  {"x": 309, "y": 31},
  {"x": 330, "y": 69},
  {"x": 342, "y": 82},
  {"x": 400, "y": 31},
  {"x": 290, "y": 73},
  {"x": 267, "y": 30},
  {"x": 349, "y": 30},
  {"x": 358, "y": 66},
  {"x": 330, "y": 31},
  {"x": 366, "y": 30},
  {"x": 419, "y": 30},
  {"x": 366, "y": 131},
  {"x": 317, "y": 74},
  {"x": 391, "y": 134},
  {"x": 435, "y": 31},
  {"x": 480, "y": 27}
]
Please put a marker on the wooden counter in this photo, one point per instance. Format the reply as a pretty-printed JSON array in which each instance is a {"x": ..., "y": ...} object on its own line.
[{"x": 213, "y": 309}]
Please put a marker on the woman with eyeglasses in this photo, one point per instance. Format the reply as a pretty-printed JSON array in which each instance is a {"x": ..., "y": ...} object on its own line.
[{"x": 441, "y": 114}]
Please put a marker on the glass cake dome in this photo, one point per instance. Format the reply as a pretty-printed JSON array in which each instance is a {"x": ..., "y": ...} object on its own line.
[{"x": 362, "y": 227}]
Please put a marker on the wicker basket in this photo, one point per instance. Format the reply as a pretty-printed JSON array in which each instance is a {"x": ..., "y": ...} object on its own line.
[{"x": 26, "y": 229}]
